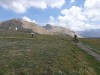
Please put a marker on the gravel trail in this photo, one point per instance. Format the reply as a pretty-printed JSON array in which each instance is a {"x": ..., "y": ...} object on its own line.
[{"x": 88, "y": 50}]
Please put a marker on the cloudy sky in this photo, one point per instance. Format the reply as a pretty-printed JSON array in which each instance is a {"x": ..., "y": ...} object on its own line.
[{"x": 77, "y": 15}]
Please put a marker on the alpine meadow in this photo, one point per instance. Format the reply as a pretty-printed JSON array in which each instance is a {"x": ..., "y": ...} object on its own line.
[
  {"x": 20, "y": 54},
  {"x": 49, "y": 37}
]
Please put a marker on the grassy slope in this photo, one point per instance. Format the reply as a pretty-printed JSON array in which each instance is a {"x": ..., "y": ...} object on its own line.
[
  {"x": 93, "y": 43},
  {"x": 43, "y": 55}
]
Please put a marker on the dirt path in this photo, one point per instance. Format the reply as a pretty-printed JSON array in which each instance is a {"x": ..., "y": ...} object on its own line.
[{"x": 88, "y": 50}]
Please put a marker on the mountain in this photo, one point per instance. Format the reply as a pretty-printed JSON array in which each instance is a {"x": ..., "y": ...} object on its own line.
[
  {"x": 60, "y": 30},
  {"x": 23, "y": 26},
  {"x": 29, "y": 27},
  {"x": 90, "y": 33}
]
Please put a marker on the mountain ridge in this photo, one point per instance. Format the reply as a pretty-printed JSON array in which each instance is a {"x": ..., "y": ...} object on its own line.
[
  {"x": 60, "y": 30},
  {"x": 91, "y": 33},
  {"x": 30, "y": 27},
  {"x": 23, "y": 26}
]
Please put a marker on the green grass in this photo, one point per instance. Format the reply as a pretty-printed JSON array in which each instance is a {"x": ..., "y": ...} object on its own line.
[
  {"x": 44, "y": 55},
  {"x": 93, "y": 43}
]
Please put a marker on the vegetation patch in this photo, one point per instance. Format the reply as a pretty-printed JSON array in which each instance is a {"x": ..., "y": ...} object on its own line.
[
  {"x": 44, "y": 55},
  {"x": 93, "y": 43}
]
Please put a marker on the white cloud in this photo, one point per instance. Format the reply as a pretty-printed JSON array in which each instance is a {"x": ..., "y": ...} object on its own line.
[
  {"x": 72, "y": 18},
  {"x": 55, "y": 3},
  {"x": 20, "y": 6},
  {"x": 74, "y": 13},
  {"x": 92, "y": 4},
  {"x": 92, "y": 9},
  {"x": 80, "y": 19},
  {"x": 13, "y": 5},
  {"x": 52, "y": 21},
  {"x": 72, "y": 1},
  {"x": 29, "y": 20},
  {"x": 75, "y": 19}
]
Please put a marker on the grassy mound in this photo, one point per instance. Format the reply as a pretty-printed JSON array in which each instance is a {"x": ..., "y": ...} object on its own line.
[{"x": 44, "y": 55}]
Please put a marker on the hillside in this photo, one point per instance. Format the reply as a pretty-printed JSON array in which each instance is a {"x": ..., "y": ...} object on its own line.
[
  {"x": 23, "y": 26},
  {"x": 60, "y": 30},
  {"x": 44, "y": 55},
  {"x": 29, "y": 27}
]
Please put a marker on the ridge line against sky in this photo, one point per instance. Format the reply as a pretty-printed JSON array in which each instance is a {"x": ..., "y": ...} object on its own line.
[{"x": 78, "y": 15}]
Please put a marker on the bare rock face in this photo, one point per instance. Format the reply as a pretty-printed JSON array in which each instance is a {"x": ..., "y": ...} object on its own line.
[
  {"x": 23, "y": 26},
  {"x": 60, "y": 30}
]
